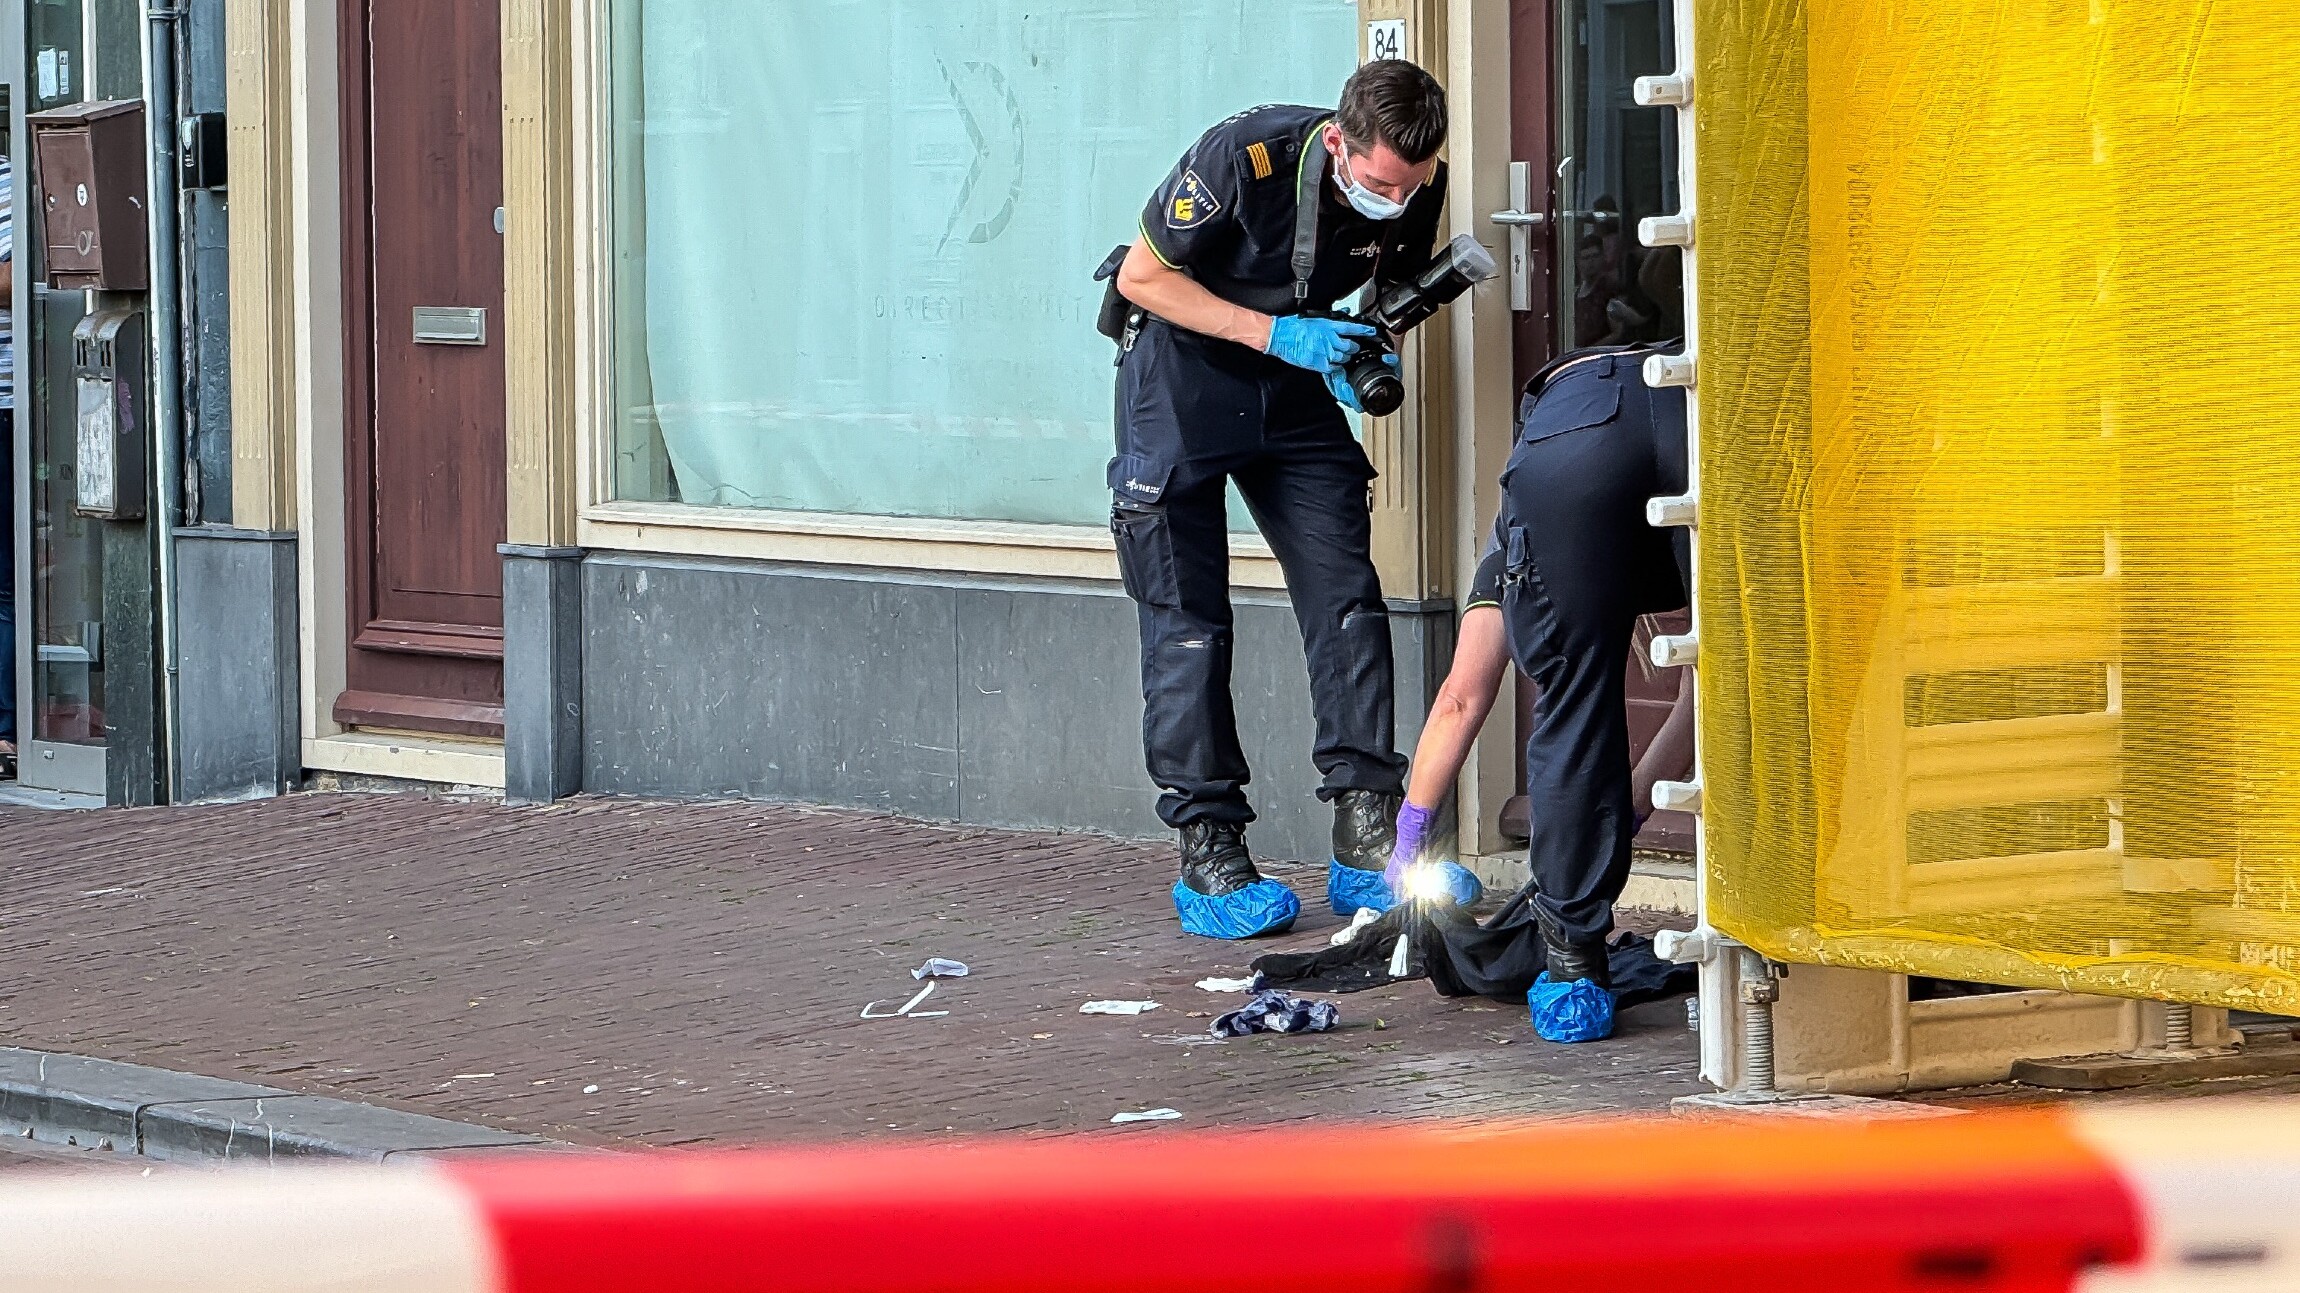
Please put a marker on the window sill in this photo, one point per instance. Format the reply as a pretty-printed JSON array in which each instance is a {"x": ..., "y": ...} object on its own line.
[{"x": 885, "y": 542}]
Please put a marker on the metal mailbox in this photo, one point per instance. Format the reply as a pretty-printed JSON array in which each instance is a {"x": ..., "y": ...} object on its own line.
[
  {"x": 108, "y": 361},
  {"x": 93, "y": 213}
]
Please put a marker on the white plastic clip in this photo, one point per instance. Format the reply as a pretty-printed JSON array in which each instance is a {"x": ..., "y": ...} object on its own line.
[
  {"x": 1666, "y": 231},
  {"x": 1672, "y": 91},
  {"x": 1689, "y": 946},
  {"x": 1677, "y": 796},
  {"x": 1675, "y": 650},
  {"x": 1672, "y": 509},
  {"x": 1668, "y": 370}
]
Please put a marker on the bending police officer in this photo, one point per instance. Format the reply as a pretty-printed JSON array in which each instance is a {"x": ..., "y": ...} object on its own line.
[
  {"x": 1229, "y": 374},
  {"x": 1572, "y": 565}
]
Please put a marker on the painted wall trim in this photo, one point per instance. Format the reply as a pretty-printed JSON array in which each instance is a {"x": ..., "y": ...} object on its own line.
[
  {"x": 414, "y": 758},
  {"x": 540, "y": 76},
  {"x": 258, "y": 92},
  {"x": 1414, "y": 516},
  {"x": 891, "y": 542},
  {"x": 316, "y": 225},
  {"x": 1483, "y": 409}
]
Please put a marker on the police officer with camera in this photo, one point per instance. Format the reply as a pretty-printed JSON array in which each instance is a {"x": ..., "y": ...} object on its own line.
[{"x": 1234, "y": 370}]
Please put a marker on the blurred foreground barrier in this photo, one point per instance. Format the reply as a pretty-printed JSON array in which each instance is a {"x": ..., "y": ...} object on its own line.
[{"x": 2113, "y": 1202}]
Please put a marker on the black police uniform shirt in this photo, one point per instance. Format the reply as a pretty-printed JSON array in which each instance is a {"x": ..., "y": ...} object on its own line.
[
  {"x": 1485, "y": 584},
  {"x": 1225, "y": 216}
]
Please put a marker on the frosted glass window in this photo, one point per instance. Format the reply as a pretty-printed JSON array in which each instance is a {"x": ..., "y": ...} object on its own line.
[{"x": 853, "y": 238}]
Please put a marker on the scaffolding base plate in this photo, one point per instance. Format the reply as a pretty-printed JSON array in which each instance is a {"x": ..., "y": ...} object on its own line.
[
  {"x": 2157, "y": 1068},
  {"x": 1798, "y": 1104}
]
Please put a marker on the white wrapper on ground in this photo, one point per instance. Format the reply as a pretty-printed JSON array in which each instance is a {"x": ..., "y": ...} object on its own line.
[{"x": 1366, "y": 916}]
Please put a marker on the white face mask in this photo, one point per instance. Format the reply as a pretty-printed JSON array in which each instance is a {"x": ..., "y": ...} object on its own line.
[{"x": 1364, "y": 201}]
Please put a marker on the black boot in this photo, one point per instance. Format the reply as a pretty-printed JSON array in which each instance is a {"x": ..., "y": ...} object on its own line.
[
  {"x": 1569, "y": 961},
  {"x": 1214, "y": 858},
  {"x": 1365, "y": 828}
]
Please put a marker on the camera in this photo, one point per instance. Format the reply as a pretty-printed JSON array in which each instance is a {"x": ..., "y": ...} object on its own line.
[{"x": 1460, "y": 266}]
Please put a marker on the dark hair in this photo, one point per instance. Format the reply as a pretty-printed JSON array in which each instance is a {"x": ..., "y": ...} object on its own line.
[{"x": 1391, "y": 101}]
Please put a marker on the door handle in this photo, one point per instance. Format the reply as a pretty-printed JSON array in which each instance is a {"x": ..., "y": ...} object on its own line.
[{"x": 1516, "y": 218}]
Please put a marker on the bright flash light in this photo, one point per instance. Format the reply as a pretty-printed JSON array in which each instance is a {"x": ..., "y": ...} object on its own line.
[{"x": 1426, "y": 882}]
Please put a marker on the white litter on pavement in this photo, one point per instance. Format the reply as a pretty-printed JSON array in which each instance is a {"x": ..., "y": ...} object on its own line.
[
  {"x": 1148, "y": 1115},
  {"x": 1366, "y": 916},
  {"x": 1227, "y": 985},
  {"x": 868, "y": 1012},
  {"x": 938, "y": 968},
  {"x": 1117, "y": 1007}
]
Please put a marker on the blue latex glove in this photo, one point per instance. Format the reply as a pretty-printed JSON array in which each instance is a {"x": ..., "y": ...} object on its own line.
[
  {"x": 1345, "y": 394},
  {"x": 1320, "y": 345}
]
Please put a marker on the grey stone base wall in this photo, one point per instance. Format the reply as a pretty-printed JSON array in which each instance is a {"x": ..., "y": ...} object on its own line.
[
  {"x": 239, "y": 677},
  {"x": 996, "y": 701},
  {"x": 542, "y": 673}
]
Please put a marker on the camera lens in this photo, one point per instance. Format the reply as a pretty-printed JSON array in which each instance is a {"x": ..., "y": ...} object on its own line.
[{"x": 1379, "y": 389}]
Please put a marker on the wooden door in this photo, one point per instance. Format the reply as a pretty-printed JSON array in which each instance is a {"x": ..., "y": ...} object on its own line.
[
  {"x": 424, "y": 378},
  {"x": 1596, "y": 161}
]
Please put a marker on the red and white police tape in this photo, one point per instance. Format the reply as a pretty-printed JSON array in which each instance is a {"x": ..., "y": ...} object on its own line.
[{"x": 2114, "y": 1201}]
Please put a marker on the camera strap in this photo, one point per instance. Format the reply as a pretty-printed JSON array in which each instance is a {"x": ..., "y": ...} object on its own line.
[{"x": 1308, "y": 175}]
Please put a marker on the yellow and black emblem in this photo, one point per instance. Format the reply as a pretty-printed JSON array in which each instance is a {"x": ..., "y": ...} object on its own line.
[
  {"x": 1193, "y": 203},
  {"x": 1259, "y": 154}
]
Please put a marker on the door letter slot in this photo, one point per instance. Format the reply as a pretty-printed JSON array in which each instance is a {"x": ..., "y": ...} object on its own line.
[{"x": 450, "y": 325}]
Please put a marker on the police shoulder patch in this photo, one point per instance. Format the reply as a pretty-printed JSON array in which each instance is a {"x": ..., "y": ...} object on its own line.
[{"x": 1193, "y": 203}]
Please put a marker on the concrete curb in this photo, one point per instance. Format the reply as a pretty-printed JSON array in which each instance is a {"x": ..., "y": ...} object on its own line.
[{"x": 71, "y": 1100}]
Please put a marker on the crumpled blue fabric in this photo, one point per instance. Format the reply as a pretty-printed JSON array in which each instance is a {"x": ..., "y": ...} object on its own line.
[
  {"x": 1348, "y": 888},
  {"x": 1272, "y": 1011},
  {"x": 1263, "y": 907},
  {"x": 1577, "y": 1010}
]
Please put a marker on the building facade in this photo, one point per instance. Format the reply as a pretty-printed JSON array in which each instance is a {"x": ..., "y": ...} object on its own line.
[{"x": 674, "y": 398}]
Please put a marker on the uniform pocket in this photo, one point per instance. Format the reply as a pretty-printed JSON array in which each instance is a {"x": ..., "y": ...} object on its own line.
[
  {"x": 1580, "y": 397},
  {"x": 1138, "y": 480},
  {"x": 1530, "y": 620},
  {"x": 1145, "y": 540}
]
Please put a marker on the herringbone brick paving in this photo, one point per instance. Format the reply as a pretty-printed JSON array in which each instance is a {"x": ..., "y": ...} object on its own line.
[{"x": 619, "y": 972}]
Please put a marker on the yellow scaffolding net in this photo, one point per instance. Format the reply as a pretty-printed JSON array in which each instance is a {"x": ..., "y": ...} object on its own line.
[{"x": 2000, "y": 489}]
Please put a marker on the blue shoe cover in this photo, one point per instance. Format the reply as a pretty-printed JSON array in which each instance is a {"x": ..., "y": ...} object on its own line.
[
  {"x": 1461, "y": 884},
  {"x": 1263, "y": 907},
  {"x": 1574, "y": 1011},
  {"x": 1348, "y": 889}
]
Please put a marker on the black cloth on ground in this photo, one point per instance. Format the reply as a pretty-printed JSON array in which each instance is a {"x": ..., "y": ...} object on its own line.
[{"x": 1462, "y": 957}]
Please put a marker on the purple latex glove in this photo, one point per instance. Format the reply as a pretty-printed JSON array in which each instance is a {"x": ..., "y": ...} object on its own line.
[{"x": 1413, "y": 821}]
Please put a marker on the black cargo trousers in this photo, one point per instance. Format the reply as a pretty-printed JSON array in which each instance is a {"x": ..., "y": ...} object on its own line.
[
  {"x": 1192, "y": 413},
  {"x": 1582, "y": 565}
]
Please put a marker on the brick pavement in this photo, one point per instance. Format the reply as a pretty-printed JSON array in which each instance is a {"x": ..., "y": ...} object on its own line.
[{"x": 702, "y": 966}]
